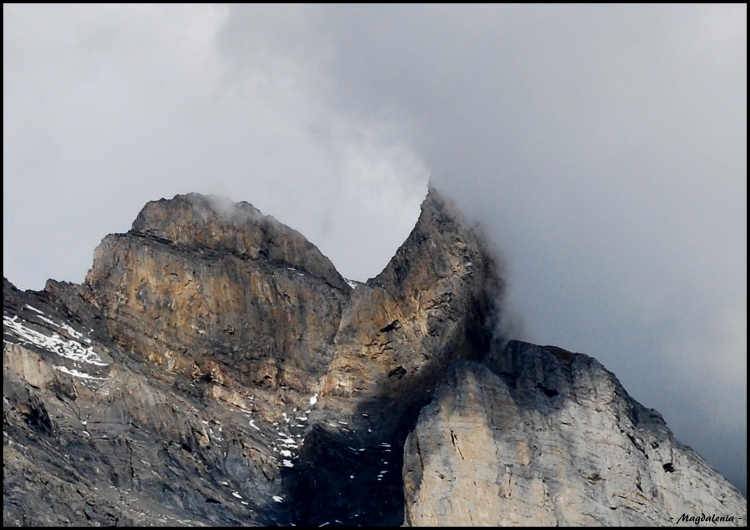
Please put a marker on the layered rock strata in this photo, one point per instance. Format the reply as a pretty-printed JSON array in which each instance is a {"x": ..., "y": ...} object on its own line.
[
  {"x": 215, "y": 369},
  {"x": 227, "y": 353},
  {"x": 205, "y": 287}
]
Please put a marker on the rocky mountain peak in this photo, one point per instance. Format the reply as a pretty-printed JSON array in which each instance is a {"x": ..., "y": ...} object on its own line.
[
  {"x": 444, "y": 242},
  {"x": 211, "y": 223},
  {"x": 214, "y": 368}
]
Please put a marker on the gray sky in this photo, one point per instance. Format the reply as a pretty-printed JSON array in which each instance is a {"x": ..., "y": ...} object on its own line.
[{"x": 603, "y": 147}]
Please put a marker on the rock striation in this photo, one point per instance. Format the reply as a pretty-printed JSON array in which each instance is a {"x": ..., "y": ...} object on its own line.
[{"x": 215, "y": 369}]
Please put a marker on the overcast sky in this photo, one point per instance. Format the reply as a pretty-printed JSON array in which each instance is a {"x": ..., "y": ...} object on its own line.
[{"x": 603, "y": 147}]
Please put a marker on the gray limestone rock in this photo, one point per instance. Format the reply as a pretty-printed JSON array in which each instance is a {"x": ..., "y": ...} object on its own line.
[{"x": 538, "y": 436}]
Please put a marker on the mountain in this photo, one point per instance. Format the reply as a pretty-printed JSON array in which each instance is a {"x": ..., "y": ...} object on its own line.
[{"x": 215, "y": 369}]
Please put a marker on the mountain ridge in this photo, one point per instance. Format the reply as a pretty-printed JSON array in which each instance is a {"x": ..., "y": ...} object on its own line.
[{"x": 215, "y": 368}]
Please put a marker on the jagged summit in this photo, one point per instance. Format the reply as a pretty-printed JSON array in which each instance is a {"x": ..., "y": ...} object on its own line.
[
  {"x": 445, "y": 243},
  {"x": 214, "y": 368},
  {"x": 201, "y": 222}
]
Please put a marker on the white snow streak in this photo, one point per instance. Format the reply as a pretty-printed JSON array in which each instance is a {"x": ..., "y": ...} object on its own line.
[
  {"x": 76, "y": 373},
  {"x": 70, "y": 349}
]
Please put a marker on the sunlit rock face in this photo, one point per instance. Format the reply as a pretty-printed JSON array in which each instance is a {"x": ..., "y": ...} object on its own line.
[
  {"x": 214, "y": 368},
  {"x": 200, "y": 285},
  {"x": 539, "y": 436}
]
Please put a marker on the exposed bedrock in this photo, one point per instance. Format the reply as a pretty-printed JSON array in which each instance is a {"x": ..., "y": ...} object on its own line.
[
  {"x": 215, "y": 369},
  {"x": 539, "y": 436}
]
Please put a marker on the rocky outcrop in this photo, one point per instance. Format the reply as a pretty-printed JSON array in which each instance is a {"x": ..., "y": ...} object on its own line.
[
  {"x": 209, "y": 223},
  {"x": 215, "y": 369},
  {"x": 94, "y": 436},
  {"x": 225, "y": 352},
  {"x": 539, "y": 436},
  {"x": 433, "y": 303},
  {"x": 217, "y": 290}
]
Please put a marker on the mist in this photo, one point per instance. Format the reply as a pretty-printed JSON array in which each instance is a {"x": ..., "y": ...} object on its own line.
[{"x": 603, "y": 148}]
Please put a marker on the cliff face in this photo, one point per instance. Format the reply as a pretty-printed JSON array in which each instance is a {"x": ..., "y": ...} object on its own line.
[
  {"x": 204, "y": 287},
  {"x": 539, "y": 436},
  {"x": 215, "y": 368}
]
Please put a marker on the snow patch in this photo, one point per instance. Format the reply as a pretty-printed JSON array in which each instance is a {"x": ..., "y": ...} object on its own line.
[
  {"x": 73, "y": 333},
  {"x": 48, "y": 321},
  {"x": 70, "y": 349},
  {"x": 76, "y": 373}
]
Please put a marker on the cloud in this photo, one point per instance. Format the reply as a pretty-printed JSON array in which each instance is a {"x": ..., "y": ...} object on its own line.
[
  {"x": 604, "y": 148},
  {"x": 109, "y": 107}
]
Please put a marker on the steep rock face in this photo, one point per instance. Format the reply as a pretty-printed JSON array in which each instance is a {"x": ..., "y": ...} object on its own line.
[
  {"x": 434, "y": 302},
  {"x": 215, "y": 369},
  {"x": 228, "y": 356},
  {"x": 219, "y": 291},
  {"x": 538, "y": 436}
]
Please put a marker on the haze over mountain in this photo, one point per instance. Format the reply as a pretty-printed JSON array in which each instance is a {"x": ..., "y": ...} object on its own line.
[{"x": 603, "y": 147}]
